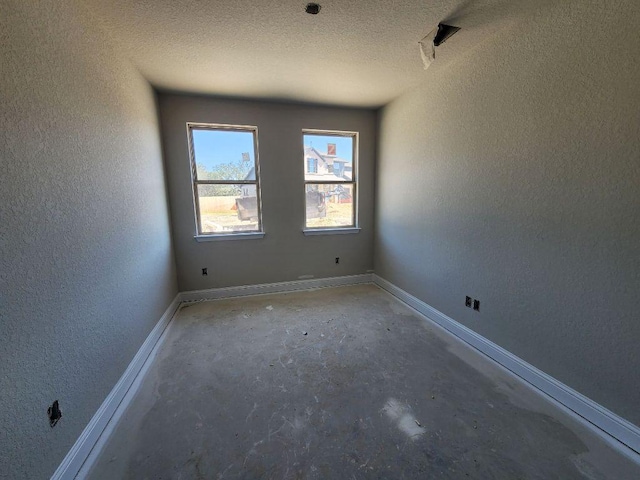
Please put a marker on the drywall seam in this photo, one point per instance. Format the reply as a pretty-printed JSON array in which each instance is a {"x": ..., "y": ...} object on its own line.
[
  {"x": 90, "y": 436},
  {"x": 620, "y": 433},
  {"x": 244, "y": 290}
]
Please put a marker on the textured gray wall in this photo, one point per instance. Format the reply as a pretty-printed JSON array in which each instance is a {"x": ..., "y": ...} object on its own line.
[
  {"x": 285, "y": 253},
  {"x": 86, "y": 266},
  {"x": 513, "y": 176}
]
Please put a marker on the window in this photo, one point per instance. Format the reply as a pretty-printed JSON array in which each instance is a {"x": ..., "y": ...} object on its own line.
[
  {"x": 226, "y": 178},
  {"x": 330, "y": 187},
  {"x": 312, "y": 165}
]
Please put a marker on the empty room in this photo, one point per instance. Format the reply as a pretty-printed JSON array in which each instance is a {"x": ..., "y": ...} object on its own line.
[{"x": 333, "y": 240}]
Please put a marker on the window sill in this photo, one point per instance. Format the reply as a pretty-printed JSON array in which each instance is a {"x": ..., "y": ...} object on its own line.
[
  {"x": 331, "y": 231},
  {"x": 229, "y": 236}
]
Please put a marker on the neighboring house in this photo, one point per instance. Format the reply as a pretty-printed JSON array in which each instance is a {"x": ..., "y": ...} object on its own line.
[
  {"x": 317, "y": 167},
  {"x": 327, "y": 167},
  {"x": 322, "y": 167}
]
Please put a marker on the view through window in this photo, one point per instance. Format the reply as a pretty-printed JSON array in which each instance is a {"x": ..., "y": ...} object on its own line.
[
  {"x": 330, "y": 159},
  {"x": 226, "y": 189}
]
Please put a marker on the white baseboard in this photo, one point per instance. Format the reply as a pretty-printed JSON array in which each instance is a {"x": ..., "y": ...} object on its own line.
[
  {"x": 243, "y": 290},
  {"x": 113, "y": 406},
  {"x": 599, "y": 418},
  {"x": 595, "y": 414},
  {"x": 72, "y": 463}
]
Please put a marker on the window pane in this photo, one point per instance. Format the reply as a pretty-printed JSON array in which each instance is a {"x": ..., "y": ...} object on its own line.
[
  {"x": 224, "y": 154},
  {"x": 228, "y": 208},
  {"x": 330, "y": 205},
  {"x": 328, "y": 158}
]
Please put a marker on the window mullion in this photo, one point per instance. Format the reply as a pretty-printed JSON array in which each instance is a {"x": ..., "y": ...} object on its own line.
[{"x": 226, "y": 182}]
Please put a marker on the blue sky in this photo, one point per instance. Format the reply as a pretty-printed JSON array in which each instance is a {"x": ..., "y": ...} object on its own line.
[
  {"x": 344, "y": 145},
  {"x": 214, "y": 147}
]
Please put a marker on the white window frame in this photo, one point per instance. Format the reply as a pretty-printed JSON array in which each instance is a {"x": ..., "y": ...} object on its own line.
[
  {"x": 353, "y": 228},
  {"x": 233, "y": 234}
]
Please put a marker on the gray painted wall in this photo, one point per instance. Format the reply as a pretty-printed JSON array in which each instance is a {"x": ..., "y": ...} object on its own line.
[
  {"x": 285, "y": 253},
  {"x": 86, "y": 265},
  {"x": 513, "y": 176}
]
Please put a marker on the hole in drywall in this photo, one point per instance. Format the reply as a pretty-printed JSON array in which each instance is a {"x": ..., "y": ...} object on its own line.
[
  {"x": 312, "y": 8},
  {"x": 54, "y": 413},
  {"x": 444, "y": 32}
]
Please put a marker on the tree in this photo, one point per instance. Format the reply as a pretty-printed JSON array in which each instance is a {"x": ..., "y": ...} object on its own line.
[{"x": 224, "y": 171}]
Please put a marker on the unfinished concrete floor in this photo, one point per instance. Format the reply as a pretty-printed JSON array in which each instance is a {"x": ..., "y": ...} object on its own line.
[{"x": 338, "y": 383}]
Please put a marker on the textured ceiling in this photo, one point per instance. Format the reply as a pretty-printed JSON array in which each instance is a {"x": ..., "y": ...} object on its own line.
[{"x": 356, "y": 53}]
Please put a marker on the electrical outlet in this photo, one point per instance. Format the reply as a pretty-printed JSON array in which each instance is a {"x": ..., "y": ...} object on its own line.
[
  {"x": 337, "y": 259},
  {"x": 476, "y": 305},
  {"x": 204, "y": 272},
  {"x": 467, "y": 302}
]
